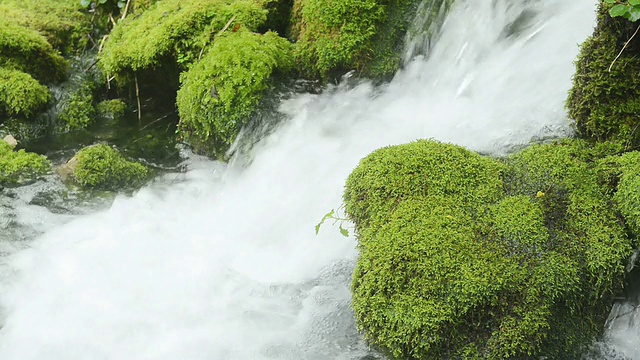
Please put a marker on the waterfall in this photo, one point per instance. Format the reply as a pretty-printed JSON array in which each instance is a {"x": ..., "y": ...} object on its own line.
[{"x": 222, "y": 262}]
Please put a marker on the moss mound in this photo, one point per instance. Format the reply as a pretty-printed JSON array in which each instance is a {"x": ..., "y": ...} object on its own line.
[
  {"x": 334, "y": 37},
  {"x": 173, "y": 30},
  {"x": 391, "y": 175},
  {"x": 219, "y": 93},
  {"x": 28, "y": 51},
  {"x": 20, "y": 94},
  {"x": 76, "y": 109},
  {"x": 102, "y": 167},
  {"x": 463, "y": 256},
  {"x": 60, "y": 21},
  {"x": 605, "y": 104},
  {"x": 20, "y": 166}
]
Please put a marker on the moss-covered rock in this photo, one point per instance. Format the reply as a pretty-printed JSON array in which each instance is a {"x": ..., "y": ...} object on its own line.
[
  {"x": 111, "y": 110},
  {"x": 605, "y": 98},
  {"x": 393, "y": 174},
  {"x": 62, "y": 23},
  {"x": 76, "y": 110},
  {"x": 27, "y": 50},
  {"x": 20, "y": 166},
  {"x": 621, "y": 174},
  {"x": 102, "y": 167},
  {"x": 453, "y": 266},
  {"x": 219, "y": 93},
  {"x": 21, "y": 94},
  {"x": 173, "y": 30},
  {"x": 334, "y": 37}
]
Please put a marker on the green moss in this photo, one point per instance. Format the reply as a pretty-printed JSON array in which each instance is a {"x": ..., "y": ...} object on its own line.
[
  {"x": 173, "y": 30},
  {"x": 451, "y": 266},
  {"x": 111, "y": 109},
  {"x": 102, "y": 167},
  {"x": 27, "y": 50},
  {"x": 605, "y": 104},
  {"x": 391, "y": 175},
  {"x": 62, "y": 23},
  {"x": 624, "y": 175},
  {"x": 77, "y": 111},
  {"x": 334, "y": 37},
  {"x": 220, "y": 93},
  {"x": 20, "y": 166},
  {"x": 20, "y": 94}
]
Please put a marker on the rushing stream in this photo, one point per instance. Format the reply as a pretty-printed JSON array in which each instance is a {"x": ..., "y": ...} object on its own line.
[{"x": 222, "y": 262}]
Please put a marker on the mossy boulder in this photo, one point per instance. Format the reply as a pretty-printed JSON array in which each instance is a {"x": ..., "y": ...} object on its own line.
[
  {"x": 61, "y": 22},
  {"x": 334, "y": 37},
  {"x": 219, "y": 93},
  {"x": 605, "y": 98},
  {"x": 464, "y": 256},
  {"x": 27, "y": 50},
  {"x": 174, "y": 31},
  {"x": 21, "y": 94},
  {"x": 102, "y": 167},
  {"x": 17, "y": 167}
]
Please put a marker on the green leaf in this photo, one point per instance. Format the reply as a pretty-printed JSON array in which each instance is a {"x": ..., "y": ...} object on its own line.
[
  {"x": 634, "y": 2},
  {"x": 634, "y": 14},
  {"x": 102, "y": 1},
  {"x": 121, "y": 4},
  {"x": 619, "y": 10},
  {"x": 328, "y": 215},
  {"x": 85, "y": 3},
  {"x": 610, "y": 1},
  {"x": 344, "y": 231}
]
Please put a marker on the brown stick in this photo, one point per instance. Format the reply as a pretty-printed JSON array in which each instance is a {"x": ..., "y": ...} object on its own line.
[
  {"x": 138, "y": 98},
  {"x": 219, "y": 32},
  {"x": 126, "y": 9},
  {"x": 624, "y": 47}
]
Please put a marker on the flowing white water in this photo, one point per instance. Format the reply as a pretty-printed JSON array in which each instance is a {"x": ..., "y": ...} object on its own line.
[{"x": 222, "y": 262}]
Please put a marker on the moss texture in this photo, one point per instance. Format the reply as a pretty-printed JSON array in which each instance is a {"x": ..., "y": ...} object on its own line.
[
  {"x": 173, "y": 30},
  {"x": 20, "y": 94},
  {"x": 111, "y": 110},
  {"x": 102, "y": 167},
  {"x": 20, "y": 166},
  {"x": 27, "y": 50},
  {"x": 61, "y": 22},
  {"x": 76, "y": 110},
  {"x": 605, "y": 104},
  {"x": 219, "y": 93},
  {"x": 334, "y": 37},
  {"x": 463, "y": 256}
]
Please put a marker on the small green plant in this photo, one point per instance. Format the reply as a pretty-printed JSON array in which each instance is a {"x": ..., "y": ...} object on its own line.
[
  {"x": 331, "y": 215},
  {"x": 628, "y": 9}
]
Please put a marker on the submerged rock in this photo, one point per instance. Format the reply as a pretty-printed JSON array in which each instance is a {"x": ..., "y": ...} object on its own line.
[{"x": 463, "y": 256}]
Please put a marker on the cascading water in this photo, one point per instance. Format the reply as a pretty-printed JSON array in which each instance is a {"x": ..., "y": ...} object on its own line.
[{"x": 221, "y": 262}]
